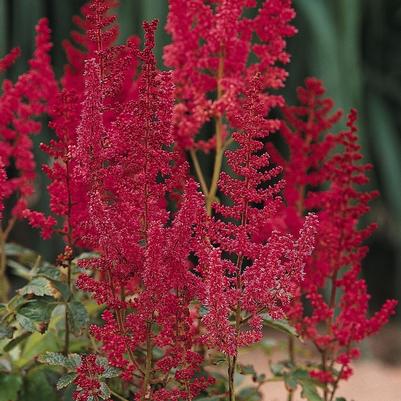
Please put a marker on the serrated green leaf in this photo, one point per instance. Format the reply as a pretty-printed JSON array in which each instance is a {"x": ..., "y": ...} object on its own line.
[
  {"x": 105, "y": 392},
  {"x": 14, "y": 342},
  {"x": 66, "y": 380},
  {"x": 310, "y": 393},
  {"x": 39, "y": 286},
  {"x": 340, "y": 399},
  {"x": 53, "y": 359},
  {"x": 35, "y": 315},
  {"x": 6, "y": 331},
  {"x": 280, "y": 325},
  {"x": 26, "y": 323},
  {"x": 49, "y": 271},
  {"x": 109, "y": 371},
  {"x": 9, "y": 387},
  {"x": 73, "y": 361},
  {"x": 15, "y": 302},
  {"x": 78, "y": 316},
  {"x": 290, "y": 381},
  {"x": 63, "y": 289},
  {"x": 246, "y": 369}
]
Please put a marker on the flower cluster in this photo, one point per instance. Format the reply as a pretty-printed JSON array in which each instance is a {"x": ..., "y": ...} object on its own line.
[
  {"x": 256, "y": 275},
  {"x": 146, "y": 277},
  {"x": 87, "y": 380},
  {"x": 212, "y": 42},
  {"x": 20, "y": 103},
  {"x": 185, "y": 270},
  {"x": 324, "y": 174}
]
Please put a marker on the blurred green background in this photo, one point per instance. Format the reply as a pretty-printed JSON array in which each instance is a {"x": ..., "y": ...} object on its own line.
[{"x": 353, "y": 45}]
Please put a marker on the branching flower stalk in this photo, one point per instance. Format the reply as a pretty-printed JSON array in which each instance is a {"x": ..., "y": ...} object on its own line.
[{"x": 318, "y": 159}]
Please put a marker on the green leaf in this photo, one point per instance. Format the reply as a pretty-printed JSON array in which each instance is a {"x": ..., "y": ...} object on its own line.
[
  {"x": 35, "y": 315},
  {"x": 109, "y": 371},
  {"x": 309, "y": 385},
  {"x": 73, "y": 361},
  {"x": 14, "y": 342},
  {"x": 246, "y": 369},
  {"x": 24, "y": 255},
  {"x": 78, "y": 316},
  {"x": 19, "y": 269},
  {"x": 5, "y": 365},
  {"x": 6, "y": 331},
  {"x": 249, "y": 394},
  {"x": 277, "y": 368},
  {"x": 290, "y": 381},
  {"x": 66, "y": 380},
  {"x": 53, "y": 359},
  {"x": 63, "y": 289},
  {"x": 9, "y": 387},
  {"x": 340, "y": 399},
  {"x": 309, "y": 392},
  {"x": 105, "y": 392},
  {"x": 49, "y": 271},
  {"x": 38, "y": 385},
  {"x": 280, "y": 325},
  {"x": 39, "y": 286},
  {"x": 38, "y": 344}
]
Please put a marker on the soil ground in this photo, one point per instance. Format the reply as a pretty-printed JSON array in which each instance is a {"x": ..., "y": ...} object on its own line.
[{"x": 377, "y": 375}]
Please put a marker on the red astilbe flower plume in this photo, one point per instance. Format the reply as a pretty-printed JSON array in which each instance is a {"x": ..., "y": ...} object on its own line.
[
  {"x": 9, "y": 59},
  {"x": 20, "y": 103},
  {"x": 88, "y": 379},
  {"x": 146, "y": 278},
  {"x": 67, "y": 190},
  {"x": 210, "y": 49},
  {"x": 254, "y": 276},
  {"x": 317, "y": 159}
]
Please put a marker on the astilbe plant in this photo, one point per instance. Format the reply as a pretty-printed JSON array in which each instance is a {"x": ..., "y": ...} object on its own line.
[
  {"x": 255, "y": 274},
  {"x": 68, "y": 189},
  {"x": 182, "y": 272},
  {"x": 145, "y": 272},
  {"x": 324, "y": 173},
  {"x": 20, "y": 103},
  {"x": 212, "y": 42}
]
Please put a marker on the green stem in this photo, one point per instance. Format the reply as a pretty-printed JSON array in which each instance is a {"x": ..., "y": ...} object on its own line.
[
  {"x": 218, "y": 161},
  {"x": 232, "y": 362},
  {"x": 120, "y": 397},
  {"x": 199, "y": 172},
  {"x": 148, "y": 364},
  {"x": 291, "y": 353}
]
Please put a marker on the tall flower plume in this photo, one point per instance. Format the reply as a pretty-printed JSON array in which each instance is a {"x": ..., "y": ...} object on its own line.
[
  {"x": 340, "y": 321},
  {"x": 249, "y": 275},
  {"x": 146, "y": 277}
]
